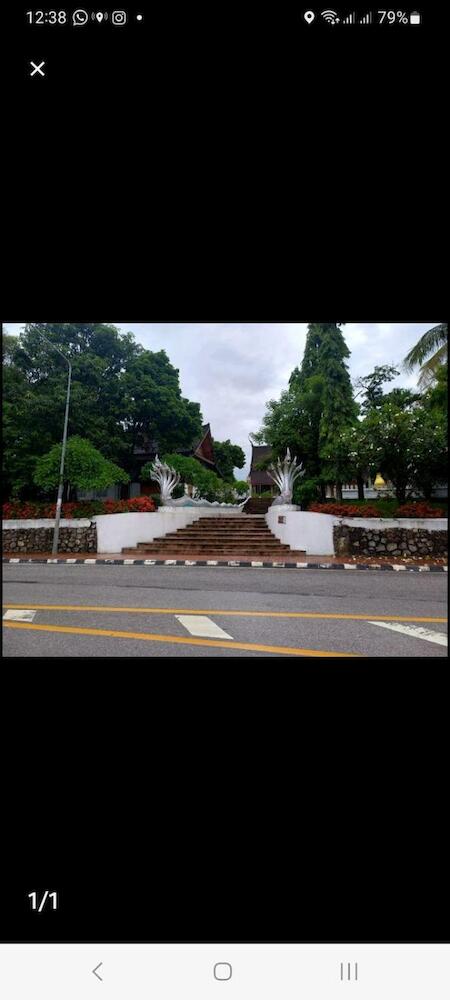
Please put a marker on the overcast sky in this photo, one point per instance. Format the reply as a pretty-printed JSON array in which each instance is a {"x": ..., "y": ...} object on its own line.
[{"x": 233, "y": 369}]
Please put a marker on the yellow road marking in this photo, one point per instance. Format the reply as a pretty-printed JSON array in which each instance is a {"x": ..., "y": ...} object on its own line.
[
  {"x": 249, "y": 614},
  {"x": 176, "y": 638}
]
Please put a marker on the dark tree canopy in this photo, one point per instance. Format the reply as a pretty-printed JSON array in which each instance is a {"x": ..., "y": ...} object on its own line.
[
  {"x": 227, "y": 458},
  {"x": 370, "y": 386},
  {"x": 121, "y": 396},
  {"x": 316, "y": 408}
]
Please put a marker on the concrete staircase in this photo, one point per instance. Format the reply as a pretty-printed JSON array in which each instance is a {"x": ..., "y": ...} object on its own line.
[
  {"x": 245, "y": 536},
  {"x": 257, "y": 505}
]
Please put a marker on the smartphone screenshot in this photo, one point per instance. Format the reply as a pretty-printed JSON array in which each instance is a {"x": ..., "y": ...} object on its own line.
[{"x": 224, "y": 533}]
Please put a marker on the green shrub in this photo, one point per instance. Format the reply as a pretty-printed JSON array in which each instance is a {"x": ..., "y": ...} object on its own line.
[{"x": 305, "y": 491}]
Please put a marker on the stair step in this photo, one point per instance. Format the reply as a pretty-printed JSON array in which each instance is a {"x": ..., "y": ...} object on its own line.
[
  {"x": 247, "y": 537},
  {"x": 187, "y": 555},
  {"x": 207, "y": 548},
  {"x": 291, "y": 556}
]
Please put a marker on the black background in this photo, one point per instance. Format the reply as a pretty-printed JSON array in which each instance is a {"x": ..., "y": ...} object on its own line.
[{"x": 240, "y": 167}]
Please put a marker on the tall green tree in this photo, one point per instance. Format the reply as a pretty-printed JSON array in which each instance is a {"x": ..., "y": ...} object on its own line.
[
  {"x": 370, "y": 386},
  {"x": 339, "y": 411},
  {"x": 435, "y": 400},
  {"x": 405, "y": 443},
  {"x": 316, "y": 409},
  {"x": 430, "y": 352},
  {"x": 121, "y": 396},
  {"x": 153, "y": 407},
  {"x": 228, "y": 457}
]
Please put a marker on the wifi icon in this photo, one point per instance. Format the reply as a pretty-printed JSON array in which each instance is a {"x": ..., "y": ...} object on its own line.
[{"x": 330, "y": 16}]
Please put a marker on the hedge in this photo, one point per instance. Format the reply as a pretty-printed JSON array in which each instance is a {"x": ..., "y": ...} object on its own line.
[{"x": 22, "y": 509}]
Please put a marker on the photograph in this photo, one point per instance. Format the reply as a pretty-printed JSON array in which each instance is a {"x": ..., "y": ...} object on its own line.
[{"x": 225, "y": 490}]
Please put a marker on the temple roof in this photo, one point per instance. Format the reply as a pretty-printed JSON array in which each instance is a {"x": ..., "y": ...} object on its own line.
[
  {"x": 203, "y": 448},
  {"x": 259, "y": 477}
]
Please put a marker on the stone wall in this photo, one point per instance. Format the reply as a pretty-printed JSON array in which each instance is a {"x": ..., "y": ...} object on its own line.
[
  {"x": 23, "y": 540},
  {"x": 349, "y": 540}
]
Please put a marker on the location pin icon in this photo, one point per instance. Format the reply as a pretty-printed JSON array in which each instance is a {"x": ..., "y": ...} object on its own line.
[
  {"x": 99, "y": 16},
  {"x": 309, "y": 16}
]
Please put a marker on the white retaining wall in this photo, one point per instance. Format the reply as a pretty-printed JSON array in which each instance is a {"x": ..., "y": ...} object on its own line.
[
  {"x": 314, "y": 532},
  {"x": 124, "y": 531}
]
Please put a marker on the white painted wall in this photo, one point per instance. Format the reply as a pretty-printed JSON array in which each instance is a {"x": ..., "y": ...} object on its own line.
[
  {"x": 314, "y": 532},
  {"x": 124, "y": 531}
]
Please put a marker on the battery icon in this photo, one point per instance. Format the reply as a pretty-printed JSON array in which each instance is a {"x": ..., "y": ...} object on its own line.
[{"x": 414, "y": 18}]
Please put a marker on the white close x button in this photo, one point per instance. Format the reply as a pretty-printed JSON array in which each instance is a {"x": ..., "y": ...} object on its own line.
[{"x": 37, "y": 69}]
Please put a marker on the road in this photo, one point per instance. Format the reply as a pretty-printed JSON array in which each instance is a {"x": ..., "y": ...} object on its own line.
[{"x": 148, "y": 611}]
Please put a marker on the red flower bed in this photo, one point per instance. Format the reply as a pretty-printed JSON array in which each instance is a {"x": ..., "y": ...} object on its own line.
[
  {"x": 21, "y": 509},
  {"x": 419, "y": 510},
  {"x": 343, "y": 510}
]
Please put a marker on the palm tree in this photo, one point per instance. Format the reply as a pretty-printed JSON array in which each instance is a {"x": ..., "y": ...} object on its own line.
[{"x": 433, "y": 342}]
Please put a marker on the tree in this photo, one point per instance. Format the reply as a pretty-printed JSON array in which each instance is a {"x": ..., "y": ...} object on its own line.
[
  {"x": 404, "y": 443},
  {"x": 430, "y": 353},
  {"x": 228, "y": 457},
  {"x": 369, "y": 386},
  {"x": 84, "y": 467},
  {"x": 339, "y": 411},
  {"x": 154, "y": 407},
  {"x": 121, "y": 396},
  {"x": 241, "y": 487},
  {"x": 435, "y": 400},
  {"x": 22, "y": 437},
  {"x": 314, "y": 411}
]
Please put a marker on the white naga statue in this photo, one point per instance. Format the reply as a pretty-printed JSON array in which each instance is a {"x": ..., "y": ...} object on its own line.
[
  {"x": 284, "y": 475},
  {"x": 167, "y": 479}
]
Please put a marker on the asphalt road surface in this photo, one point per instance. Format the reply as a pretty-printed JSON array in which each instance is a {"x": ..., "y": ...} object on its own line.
[{"x": 149, "y": 611}]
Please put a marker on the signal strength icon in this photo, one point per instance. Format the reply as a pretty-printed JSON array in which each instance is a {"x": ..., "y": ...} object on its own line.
[
  {"x": 367, "y": 19},
  {"x": 351, "y": 19},
  {"x": 330, "y": 16}
]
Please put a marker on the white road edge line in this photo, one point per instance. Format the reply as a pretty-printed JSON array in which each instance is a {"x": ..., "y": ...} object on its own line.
[
  {"x": 200, "y": 625},
  {"x": 415, "y": 631}
]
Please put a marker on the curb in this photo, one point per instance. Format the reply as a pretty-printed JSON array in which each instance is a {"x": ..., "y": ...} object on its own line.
[{"x": 234, "y": 564}]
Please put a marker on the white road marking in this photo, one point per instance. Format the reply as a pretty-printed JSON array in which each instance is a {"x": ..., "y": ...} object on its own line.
[
  {"x": 19, "y": 615},
  {"x": 415, "y": 631},
  {"x": 202, "y": 626}
]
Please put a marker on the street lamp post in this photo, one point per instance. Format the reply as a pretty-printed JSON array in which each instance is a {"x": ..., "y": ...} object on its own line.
[{"x": 63, "y": 452}]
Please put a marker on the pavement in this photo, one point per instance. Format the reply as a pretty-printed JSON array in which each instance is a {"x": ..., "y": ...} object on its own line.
[{"x": 102, "y": 610}]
